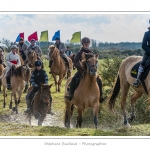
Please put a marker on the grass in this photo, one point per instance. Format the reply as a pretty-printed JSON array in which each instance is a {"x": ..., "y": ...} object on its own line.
[{"x": 109, "y": 124}]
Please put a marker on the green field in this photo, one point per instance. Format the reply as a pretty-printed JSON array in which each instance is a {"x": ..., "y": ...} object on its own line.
[{"x": 109, "y": 124}]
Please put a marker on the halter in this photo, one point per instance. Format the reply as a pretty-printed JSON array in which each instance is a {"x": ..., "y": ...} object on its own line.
[
  {"x": 91, "y": 67},
  {"x": 42, "y": 99}
]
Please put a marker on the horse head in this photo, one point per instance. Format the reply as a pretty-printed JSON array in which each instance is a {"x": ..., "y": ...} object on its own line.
[
  {"x": 32, "y": 56},
  {"x": 53, "y": 52},
  {"x": 45, "y": 93},
  {"x": 90, "y": 61}
]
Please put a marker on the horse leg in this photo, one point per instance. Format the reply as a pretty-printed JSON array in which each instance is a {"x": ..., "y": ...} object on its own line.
[
  {"x": 41, "y": 118},
  {"x": 59, "y": 82},
  {"x": 68, "y": 114},
  {"x": 124, "y": 92},
  {"x": 4, "y": 95},
  {"x": 95, "y": 113},
  {"x": 79, "y": 118},
  {"x": 16, "y": 102},
  {"x": 134, "y": 97},
  {"x": 54, "y": 76},
  {"x": 26, "y": 88},
  {"x": 10, "y": 105}
]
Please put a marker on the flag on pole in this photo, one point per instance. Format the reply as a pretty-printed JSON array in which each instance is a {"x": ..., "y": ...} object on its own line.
[
  {"x": 19, "y": 36},
  {"x": 76, "y": 37},
  {"x": 44, "y": 36},
  {"x": 56, "y": 35},
  {"x": 33, "y": 36}
]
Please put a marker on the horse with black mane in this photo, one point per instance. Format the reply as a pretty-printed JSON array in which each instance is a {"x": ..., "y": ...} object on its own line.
[
  {"x": 40, "y": 104},
  {"x": 19, "y": 76}
]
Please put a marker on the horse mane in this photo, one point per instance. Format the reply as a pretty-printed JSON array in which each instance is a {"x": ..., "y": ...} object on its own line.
[{"x": 17, "y": 71}]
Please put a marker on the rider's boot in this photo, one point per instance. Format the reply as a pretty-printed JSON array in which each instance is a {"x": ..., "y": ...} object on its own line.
[
  {"x": 136, "y": 83},
  {"x": 8, "y": 83}
]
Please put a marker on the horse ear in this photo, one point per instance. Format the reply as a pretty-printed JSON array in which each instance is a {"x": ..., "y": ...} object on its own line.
[
  {"x": 83, "y": 56},
  {"x": 51, "y": 85},
  {"x": 96, "y": 56}
]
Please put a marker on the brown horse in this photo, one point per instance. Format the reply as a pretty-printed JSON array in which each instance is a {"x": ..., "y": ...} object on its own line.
[
  {"x": 123, "y": 82},
  {"x": 1, "y": 68},
  {"x": 58, "y": 67},
  {"x": 31, "y": 59},
  {"x": 87, "y": 93},
  {"x": 41, "y": 103},
  {"x": 20, "y": 75}
]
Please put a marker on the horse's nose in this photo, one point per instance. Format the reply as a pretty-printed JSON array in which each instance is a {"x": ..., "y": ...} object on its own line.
[{"x": 93, "y": 71}]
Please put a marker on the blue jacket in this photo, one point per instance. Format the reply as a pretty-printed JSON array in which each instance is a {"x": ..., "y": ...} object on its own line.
[{"x": 146, "y": 43}]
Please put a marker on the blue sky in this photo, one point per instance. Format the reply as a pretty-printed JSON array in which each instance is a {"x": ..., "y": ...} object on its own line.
[{"x": 102, "y": 27}]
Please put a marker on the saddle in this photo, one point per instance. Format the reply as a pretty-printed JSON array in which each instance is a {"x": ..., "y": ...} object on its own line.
[{"x": 134, "y": 72}]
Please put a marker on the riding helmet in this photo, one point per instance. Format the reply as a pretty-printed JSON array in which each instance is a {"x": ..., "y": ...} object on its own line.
[
  {"x": 85, "y": 40},
  {"x": 38, "y": 63},
  {"x": 14, "y": 47}
]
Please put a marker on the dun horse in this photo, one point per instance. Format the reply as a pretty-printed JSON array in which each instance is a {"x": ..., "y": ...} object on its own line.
[
  {"x": 41, "y": 103},
  {"x": 87, "y": 93},
  {"x": 123, "y": 82},
  {"x": 58, "y": 67},
  {"x": 20, "y": 75},
  {"x": 31, "y": 59}
]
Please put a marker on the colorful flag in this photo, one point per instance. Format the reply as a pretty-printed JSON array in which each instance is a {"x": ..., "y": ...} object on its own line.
[
  {"x": 33, "y": 36},
  {"x": 76, "y": 37},
  {"x": 56, "y": 35},
  {"x": 44, "y": 36},
  {"x": 19, "y": 36}
]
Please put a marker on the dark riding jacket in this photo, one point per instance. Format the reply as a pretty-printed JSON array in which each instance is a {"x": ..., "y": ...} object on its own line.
[
  {"x": 146, "y": 43},
  {"x": 78, "y": 57},
  {"x": 38, "y": 77}
]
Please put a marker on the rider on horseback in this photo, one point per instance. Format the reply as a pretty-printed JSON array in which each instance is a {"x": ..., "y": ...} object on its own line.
[
  {"x": 146, "y": 58},
  {"x": 12, "y": 60},
  {"x": 2, "y": 52},
  {"x": 35, "y": 47},
  {"x": 76, "y": 78},
  {"x": 22, "y": 48},
  {"x": 38, "y": 77},
  {"x": 61, "y": 47}
]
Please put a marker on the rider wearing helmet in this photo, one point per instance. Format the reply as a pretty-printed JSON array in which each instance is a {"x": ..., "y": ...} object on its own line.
[
  {"x": 62, "y": 49},
  {"x": 38, "y": 77},
  {"x": 12, "y": 59},
  {"x": 146, "y": 58},
  {"x": 76, "y": 79}
]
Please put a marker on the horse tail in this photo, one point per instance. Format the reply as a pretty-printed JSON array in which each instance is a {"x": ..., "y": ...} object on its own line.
[{"x": 114, "y": 93}]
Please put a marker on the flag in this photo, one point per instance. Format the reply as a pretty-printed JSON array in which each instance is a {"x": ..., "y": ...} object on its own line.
[
  {"x": 33, "y": 36},
  {"x": 56, "y": 35},
  {"x": 44, "y": 36},
  {"x": 19, "y": 36},
  {"x": 76, "y": 37}
]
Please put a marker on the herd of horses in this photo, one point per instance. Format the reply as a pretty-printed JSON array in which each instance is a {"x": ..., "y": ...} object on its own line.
[{"x": 86, "y": 95}]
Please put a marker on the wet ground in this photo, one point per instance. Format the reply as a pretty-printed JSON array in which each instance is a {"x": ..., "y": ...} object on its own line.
[{"x": 21, "y": 118}]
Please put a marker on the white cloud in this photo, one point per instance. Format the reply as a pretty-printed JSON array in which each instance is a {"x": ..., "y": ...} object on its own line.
[{"x": 110, "y": 28}]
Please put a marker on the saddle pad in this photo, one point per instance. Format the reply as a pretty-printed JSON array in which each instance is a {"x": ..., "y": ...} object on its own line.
[{"x": 134, "y": 71}]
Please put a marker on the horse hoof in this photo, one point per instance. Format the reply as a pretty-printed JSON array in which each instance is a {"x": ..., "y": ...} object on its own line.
[
  {"x": 6, "y": 95},
  {"x": 18, "y": 101},
  {"x": 3, "y": 106},
  {"x": 58, "y": 90},
  {"x": 127, "y": 125},
  {"x": 14, "y": 109},
  {"x": 10, "y": 107},
  {"x": 16, "y": 112}
]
